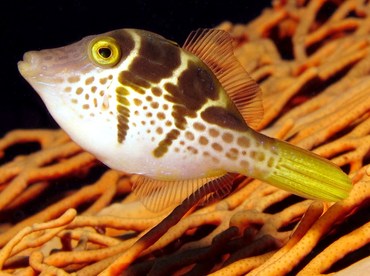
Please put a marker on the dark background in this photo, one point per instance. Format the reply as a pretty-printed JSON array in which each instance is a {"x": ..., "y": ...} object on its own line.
[{"x": 35, "y": 25}]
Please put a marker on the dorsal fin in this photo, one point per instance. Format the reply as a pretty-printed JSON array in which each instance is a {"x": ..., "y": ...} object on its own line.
[
  {"x": 215, "y": 49},
  {"x": 157, "y": 195}
]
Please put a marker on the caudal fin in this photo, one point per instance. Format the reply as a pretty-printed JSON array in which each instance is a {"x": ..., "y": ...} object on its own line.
[{"x": 309, "y": 175}]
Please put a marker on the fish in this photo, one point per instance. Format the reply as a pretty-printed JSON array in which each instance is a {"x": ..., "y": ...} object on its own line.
[{"x": 176, "y": 117}]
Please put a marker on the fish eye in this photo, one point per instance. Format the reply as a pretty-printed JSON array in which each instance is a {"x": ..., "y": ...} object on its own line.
[{"x": 105, "y": 51}]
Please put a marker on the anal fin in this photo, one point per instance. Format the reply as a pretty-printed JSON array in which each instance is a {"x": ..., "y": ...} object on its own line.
[{"x": 157, "y": 195}]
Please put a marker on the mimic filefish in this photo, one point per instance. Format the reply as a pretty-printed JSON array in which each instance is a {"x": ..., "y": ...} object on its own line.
[{"x": 178, "y": 117}]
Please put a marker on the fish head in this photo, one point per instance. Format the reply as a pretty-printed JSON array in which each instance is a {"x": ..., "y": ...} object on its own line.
[
  {"x": 78, "y": 78},
  {"x": 86, "y": 85},
  {"x": 78, "y": 83}
]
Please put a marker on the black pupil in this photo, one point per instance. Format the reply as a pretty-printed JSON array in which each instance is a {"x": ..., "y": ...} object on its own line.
[{"x": 105, "y": 52}]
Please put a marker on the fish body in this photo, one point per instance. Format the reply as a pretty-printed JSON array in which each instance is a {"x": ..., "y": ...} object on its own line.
[{"x": 176, "y": 116}]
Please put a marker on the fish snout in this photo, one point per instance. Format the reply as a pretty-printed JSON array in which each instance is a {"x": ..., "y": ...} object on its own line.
[
  {"x": 52, "y": 65},
  {"x": 30, "y": 66}
]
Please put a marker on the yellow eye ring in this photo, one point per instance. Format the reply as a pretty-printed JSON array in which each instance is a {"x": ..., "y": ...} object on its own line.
[{"x": 105, "y": 51}]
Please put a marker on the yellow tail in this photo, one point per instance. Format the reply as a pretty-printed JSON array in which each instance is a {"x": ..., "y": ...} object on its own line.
[{"x": 309, "y": 175}]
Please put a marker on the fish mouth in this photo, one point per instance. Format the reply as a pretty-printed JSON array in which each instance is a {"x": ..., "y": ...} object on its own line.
[
  {"x": 36, "y": 71},
  {"x": 27, "y": 67}
]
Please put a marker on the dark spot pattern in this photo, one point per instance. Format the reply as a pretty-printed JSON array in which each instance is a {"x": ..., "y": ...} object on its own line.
[
  {"x": 161, "y": 116},
  {"x": 68, "y": 89},
  {"x": 89, "y": 80},
  {"x": 138, "y": 102},
  {"x": 214, "y": 132},
  {"x": 203, "y": 140},
  {"x": 123, "y": 113},
  {"x": 157, "y": 91},
  {"x": 79, "y": 90},
  {"x": 217, "y": 147},
  {"x": 73, "y": 79},
  {"x": 199, "y": 126},
  {"x": 244, "y": 142},
  {"x": 123, "y": 119},
  {"x": 232, "y": 154},
  {"x": 166, "y": 143},
  {"x": 154, "y": 105},
  {"x": 192, "y": 150},
  {"x": 159, "y": 130},
  {"x": 227, "y": 137},
  {"x": 189, "y": 135},
  {"x": 121, "y": 94},
  {"x": 270, "y": 162}
]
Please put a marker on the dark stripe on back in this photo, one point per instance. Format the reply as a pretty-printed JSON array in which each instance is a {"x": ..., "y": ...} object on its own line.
[
  {"x": 194, "y": 87},
  {"x": 125, "y": 40},
  {"x": 157, "y": 58},
  {"x": 224, "y": 117}
]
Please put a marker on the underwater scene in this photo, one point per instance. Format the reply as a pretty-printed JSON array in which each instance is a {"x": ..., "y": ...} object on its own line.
[{"x": 185, "y": 138}]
